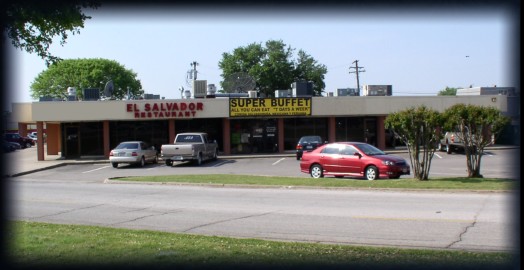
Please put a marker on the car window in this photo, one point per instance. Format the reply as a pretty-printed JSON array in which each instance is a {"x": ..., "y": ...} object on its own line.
[
  {"x": 331, "y": 150},
  {"x": 131, "y": 146},
  {"x": 189, "y": 138},
  {"x": 348, "y": 150},
  {"x": 311, "y": 139},
  {"x": 369, "y": 150}
]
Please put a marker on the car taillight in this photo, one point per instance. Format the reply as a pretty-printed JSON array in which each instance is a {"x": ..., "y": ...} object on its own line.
[
  {"x": 452, "y": 138},
  {"x": 134, "y": 154},
  {"x": 299, "y": 147},
  {"x": 111, "y": 154}
]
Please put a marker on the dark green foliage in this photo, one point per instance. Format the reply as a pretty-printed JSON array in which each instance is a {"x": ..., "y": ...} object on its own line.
[
  {"x": 477, "y": 127},
  {"x": 417, "y": 127},
  {"x": 273, "y": 67},
  {"x": 85, "y": 73},
  {"x": 32, "y": 25}
]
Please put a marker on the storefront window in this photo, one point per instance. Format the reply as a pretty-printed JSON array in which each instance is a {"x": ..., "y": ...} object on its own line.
[
  {"x": 294, "y": 128},
  {"x": 254, "y": 136}
]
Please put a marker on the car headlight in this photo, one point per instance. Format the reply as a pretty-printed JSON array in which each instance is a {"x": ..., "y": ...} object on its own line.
[{"x": 388, "y": 163}]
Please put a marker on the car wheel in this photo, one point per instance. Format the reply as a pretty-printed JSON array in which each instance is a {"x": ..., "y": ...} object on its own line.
[
  {"x": 155, "y": 160},
  {"x": 28, "y": 145},
  {"x": 142, "y": 162},
  {"x": 316, "y": 171},
  {"x": 169, "y": 162},
  {"x": 114, "y": 164},
  {"x": 371, "y": 173},
  {"x": 439, "y": 147},
  {"x": 215, "y": 155},
  {"x": 198, "y": 161},
  {"x": 448, "y": 149}
]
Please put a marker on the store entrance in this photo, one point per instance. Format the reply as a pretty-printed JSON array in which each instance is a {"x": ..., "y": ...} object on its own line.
[{"x": 254, "y": 136}]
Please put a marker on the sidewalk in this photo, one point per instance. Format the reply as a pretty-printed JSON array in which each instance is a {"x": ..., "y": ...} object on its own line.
[{"x": 25, "y": 161}]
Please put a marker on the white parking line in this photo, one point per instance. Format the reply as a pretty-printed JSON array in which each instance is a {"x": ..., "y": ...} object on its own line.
[
  {"x": 96, "y": 169},
  {"x": 278, "y": 161},
  {"x": 438, "y": 155}
]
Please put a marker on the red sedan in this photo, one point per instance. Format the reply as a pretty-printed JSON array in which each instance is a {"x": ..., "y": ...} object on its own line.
[{"x": 353, "y": 159}]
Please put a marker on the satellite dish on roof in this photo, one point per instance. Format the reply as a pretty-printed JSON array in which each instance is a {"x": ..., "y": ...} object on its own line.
[
  {"x": 108, "y": 89},
  {"x": 239, "y": 82}
]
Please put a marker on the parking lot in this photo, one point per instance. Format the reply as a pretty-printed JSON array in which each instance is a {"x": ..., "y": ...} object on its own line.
[{"x": 496, "y": 163}]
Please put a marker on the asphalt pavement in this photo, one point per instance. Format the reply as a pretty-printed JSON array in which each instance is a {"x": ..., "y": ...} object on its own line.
[{"x": 25, "y": 161}]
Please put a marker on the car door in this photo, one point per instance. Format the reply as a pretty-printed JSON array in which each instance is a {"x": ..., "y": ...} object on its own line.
[
  {"x": 348, "y": 161},
  {"x": 329, "y": 158}
]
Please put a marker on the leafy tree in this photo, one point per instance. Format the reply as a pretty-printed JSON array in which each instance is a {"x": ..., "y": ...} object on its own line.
[
  {"x": 308, "y": 69},
  {"x": 85, "y": 73},
  {"x": 449, "y": 91},
  {"x": 476, "y": 126},
  {"x": 418, "y": 129},
  {"x": 32, "y": 25},
  {"x": 273, "y": 67}
]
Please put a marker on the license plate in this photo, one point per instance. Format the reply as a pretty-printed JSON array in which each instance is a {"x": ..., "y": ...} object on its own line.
[
  {"x": 121, "y": 154},
  {"x": 178, "y": 158},
  {"x": 309, "y": 147},
  {"x": 404, "y": 170}
]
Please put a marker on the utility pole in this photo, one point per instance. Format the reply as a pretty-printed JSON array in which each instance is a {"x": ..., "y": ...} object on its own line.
[{"x": 357, "y": 70}]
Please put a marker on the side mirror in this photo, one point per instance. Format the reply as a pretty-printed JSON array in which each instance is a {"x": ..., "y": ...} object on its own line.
[{"x": 358, "y": 154}]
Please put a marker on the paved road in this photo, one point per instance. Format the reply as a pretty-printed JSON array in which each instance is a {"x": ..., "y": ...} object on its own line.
[
  {"x": 466, "y": 221},
  {"x": 78, "y": 194}
]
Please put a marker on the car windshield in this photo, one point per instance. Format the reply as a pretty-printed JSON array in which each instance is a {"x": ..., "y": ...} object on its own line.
[
  {"x": 131, "y": 146},
  {"x": 369, "y": 150},
  {"x": 310, "y": 139},
  {"x": 189, "y": 138}
]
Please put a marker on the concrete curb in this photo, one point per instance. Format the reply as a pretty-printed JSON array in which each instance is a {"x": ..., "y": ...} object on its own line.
[{"x": 114, "y": 180}]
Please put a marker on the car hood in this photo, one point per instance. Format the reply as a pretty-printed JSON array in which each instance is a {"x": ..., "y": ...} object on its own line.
[{"x": 390, "y": 158}]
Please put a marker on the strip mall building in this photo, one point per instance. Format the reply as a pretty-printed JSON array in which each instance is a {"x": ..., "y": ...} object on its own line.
[{"x": 76, "y": 129}]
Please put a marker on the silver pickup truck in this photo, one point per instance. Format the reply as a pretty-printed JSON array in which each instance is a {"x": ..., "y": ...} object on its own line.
[{"x": 194, "y": 146}]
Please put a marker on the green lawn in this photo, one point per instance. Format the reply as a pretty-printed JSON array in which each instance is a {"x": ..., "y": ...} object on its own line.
[
  {"x": 33, "y": 244},
  {"x": 455, "y": 183}
]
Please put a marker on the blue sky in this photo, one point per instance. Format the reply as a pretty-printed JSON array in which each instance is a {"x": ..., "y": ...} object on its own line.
[{"x": 419, "y": 53}]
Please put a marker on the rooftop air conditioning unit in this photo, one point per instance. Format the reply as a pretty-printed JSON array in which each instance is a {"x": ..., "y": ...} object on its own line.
[
  {"x": 199, "y": 88},
  {"x": 91, "y": 94},
  {"x": 252, "y": 94},
  {"x": 282, "y": 93}
]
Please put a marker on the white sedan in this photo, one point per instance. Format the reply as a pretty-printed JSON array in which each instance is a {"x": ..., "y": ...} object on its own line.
[{"x": 133, "y": 152}]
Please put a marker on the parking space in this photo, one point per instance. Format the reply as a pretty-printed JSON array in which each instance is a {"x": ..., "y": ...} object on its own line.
[{"x": 495, "y": 163}]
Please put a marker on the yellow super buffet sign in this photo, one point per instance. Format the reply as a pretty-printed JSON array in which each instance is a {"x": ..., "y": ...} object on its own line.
[{"x": 241, "y": 107}]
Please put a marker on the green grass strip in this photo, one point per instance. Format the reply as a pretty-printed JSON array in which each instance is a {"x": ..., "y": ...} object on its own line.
[
  {"x": 33, "y": 244},
  {"x": 456, "y": 183}
]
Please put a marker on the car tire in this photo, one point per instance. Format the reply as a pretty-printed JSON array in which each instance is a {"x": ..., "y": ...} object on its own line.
[
  {"x": 440, "y": 148},
  {"x": 371, "y": 173},
  {"x": 448, "y": 149},
  {"x": 142, "y": 162},
  {"x": 198, "y": 161},
  {"x": 28, "y": 145},
  {"x": 114, "y": 164},
  {"x": 298, "y": 157},
  {"x": 155, "y": 160},
  {"x": 169, "y": 162},
  {"x": 316, "y": 171},
  {"x": 215, "y": 155}
]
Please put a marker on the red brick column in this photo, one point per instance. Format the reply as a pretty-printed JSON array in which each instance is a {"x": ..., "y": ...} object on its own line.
[
  {"x": 332, "y": 132},
  {"x": 381, "y": 133},
  {"x": 280, "y": 124}
]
